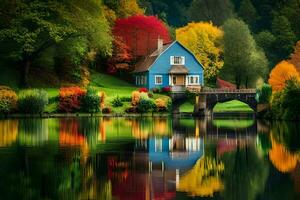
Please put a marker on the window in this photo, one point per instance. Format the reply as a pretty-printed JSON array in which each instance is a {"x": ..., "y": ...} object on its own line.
[
  {"x": 158, "y": 80},
  {"x": 193, "y": 80},
  {"x": 137, "y": 80},
  {"x": 141, "y": 80},
  {"x": 174, "y": 80},
  {"x": 177, "y": 60}
]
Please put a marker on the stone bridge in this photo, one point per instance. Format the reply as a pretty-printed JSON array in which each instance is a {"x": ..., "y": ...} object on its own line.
[{"x": 206, "y": 99}]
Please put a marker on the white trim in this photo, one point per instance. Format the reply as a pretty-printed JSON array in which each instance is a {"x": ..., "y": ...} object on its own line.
[
  {"x": 193, "y": 77},
  {"x": 172, "y": 60},
  {"x": 158, "y": 76}
]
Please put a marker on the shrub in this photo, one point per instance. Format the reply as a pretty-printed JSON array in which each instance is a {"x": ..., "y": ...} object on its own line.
[
  {"x": 107, "y": 110},
  {"x": 8, "y": 100},
  {"x": 135, "y": 98},
  {"x": 161, "y": 104},
  {"x": 132, "y": 109},
  {"x": 125, "y": 99},
  {"x": 166, "y": 89},
  {"x": 143, "y": 90},
  {"x": 32, "y": 101},
  {"x": 70, "y": 99},
  {"x": 91, "y": 101},
  {"x": 150, "y": 95},
  {"x": 146, "y": 105},
  {"x": 156, "y": 90},
  {"x": 116, "y": 102},
  {"x": 144, "y": 95},
  {"x": 264, "y": 93}
]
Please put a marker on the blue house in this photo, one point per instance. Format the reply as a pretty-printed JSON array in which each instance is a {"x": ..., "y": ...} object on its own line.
[{"x": 171, "y": 65}]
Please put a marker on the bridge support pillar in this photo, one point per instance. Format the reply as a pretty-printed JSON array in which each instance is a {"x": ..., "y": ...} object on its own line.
[{"x": 200, "y": 108}]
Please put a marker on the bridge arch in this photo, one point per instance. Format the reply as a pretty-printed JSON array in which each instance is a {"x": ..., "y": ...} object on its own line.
[{"x": 207, "y": 99}]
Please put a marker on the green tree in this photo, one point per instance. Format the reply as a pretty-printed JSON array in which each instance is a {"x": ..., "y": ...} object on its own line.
[
  {"x": 285, "y": 37},
  {"x": 243, "y": 61},
  {"x": 248, "y": 12},
  {"x": 266, "y": 41},
  {"x": 217, "y": 11},
  {"x": 35, "y": 26}
]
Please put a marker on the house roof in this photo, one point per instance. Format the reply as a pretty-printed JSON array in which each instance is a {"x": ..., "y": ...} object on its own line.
[
  {"x": 145, "y": 64},
  {"x": 178, "y": 69}
]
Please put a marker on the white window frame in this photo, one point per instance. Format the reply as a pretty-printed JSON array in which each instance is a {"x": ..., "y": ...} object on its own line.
[
  {"x": 158, "y": 76},
  {"x": 194, "y": 77},
  {"x": 172, "y": 60},
  {"x": 137, "y": 80}
]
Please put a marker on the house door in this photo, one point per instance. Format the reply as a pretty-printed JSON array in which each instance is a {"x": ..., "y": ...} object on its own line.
[{"x": 178, "y": 80}]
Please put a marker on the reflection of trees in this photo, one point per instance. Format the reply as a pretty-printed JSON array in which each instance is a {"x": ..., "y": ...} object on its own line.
[
  {"x": 203, "y": 179},
  {"x": 33, "y": 131},
  {"x": 8, "y": 132},
  {"x": 288, "y": 134},
  {"x": 282, "y": 159},
  {"x": 245, "y": 174}
]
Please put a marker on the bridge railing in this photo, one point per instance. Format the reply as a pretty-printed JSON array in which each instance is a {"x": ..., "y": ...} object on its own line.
[{"x": 228, "y": 91}]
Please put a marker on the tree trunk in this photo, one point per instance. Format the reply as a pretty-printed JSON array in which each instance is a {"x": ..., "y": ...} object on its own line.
[{"x": 25, "y": 72}]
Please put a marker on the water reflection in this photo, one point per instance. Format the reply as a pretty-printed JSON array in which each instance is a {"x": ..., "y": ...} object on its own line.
[{"x": 148, "y": 158}]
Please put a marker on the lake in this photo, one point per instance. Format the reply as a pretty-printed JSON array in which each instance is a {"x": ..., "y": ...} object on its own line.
[{"x": 149, "y": 158}]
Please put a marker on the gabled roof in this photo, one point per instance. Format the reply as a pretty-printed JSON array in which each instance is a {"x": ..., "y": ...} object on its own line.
[{"x": 146, "y": 63}]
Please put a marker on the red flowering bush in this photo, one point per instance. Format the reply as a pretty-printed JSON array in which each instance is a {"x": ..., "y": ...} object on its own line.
[
  {"x": 166, "y": 89},
  {"x": 143, "y": 90},
  {"x": 70, "y": 98}
]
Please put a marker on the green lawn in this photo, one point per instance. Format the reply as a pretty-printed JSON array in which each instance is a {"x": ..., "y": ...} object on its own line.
[
  {"x": 186, "y": 107},
  {"x": 233, "y": 123},
  {"x": 232, "y": 106}
]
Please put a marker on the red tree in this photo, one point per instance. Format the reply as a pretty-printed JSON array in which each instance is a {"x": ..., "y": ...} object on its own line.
[
  {"x": 121, "y": 57},
  {"x": 141, "y": 32}
]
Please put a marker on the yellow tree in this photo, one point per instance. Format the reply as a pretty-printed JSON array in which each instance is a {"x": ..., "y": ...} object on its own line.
[
  {"x": 282, "y": 72},
  {"x": 206, "y": 41}
]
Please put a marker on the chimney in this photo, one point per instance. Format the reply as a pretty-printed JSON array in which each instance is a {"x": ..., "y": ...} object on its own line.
[{"x": 160, "y": 44}]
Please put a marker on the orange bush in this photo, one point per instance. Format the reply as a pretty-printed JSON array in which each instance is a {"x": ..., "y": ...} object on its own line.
[
  {"x": 135, "y": 98},
  {"x": 161, "y": 104},
  {"x": 8, "y": 99},
  {"x": 102, "y": 99},
  {"x": 281, "y": 73},
  {"x": 70, "y": 98}
]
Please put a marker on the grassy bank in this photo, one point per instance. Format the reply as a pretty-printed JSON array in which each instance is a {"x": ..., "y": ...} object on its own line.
[{"x": 230, "y": 106}]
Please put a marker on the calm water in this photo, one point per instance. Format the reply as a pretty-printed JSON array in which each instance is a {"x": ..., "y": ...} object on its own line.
[{"x": 149, "y": 158}]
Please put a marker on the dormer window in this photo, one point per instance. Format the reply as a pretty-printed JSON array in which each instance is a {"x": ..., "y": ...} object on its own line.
[{"x": 177, "y": 60}]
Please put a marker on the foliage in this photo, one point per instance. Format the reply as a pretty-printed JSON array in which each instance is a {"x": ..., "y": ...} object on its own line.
[
  {"x": 32, "y": 101},
  {"x": 205, "y": 41},
  {"x": 146, "y": 105},
  {"x": 162, "y": 104},
  {"x": 264, "y": 93},
  {"x": 131, "y": 109},
  {"x": 135, "y": 98},
  {"x": 248, "y": 12},
  {"x": 32, "y": 27},
  {"x": 284, "y": 39},
  {"x": 91, "y": 101},
  {"x": 117, "y": 102},
  {"x": 156, "y": 90},
  {"x": 129, "y": 8},
  {"x": 166, "y": 89},
  {"x": 140, "y": 33},
  {"x": 144, "y": 95},
  {"x": 121, "y": 56},
  {"x": 143, "y": 90},
  {"x": 244, "y": 62},
  {"x": 106, "y": 110},
  {"x": 282, "y": 72},
  {"x": 125, "y": 99},
  {"x": 8, "y": 100},
  {"x": 291, "y": 101},
  {"x": 295, "y": 57},
  {"x": 70, "y": 99},
  {"x": 216, "y": 11},
  {"x": 102, "y": 96}
]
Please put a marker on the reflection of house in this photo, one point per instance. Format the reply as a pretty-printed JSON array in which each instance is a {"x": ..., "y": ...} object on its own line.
[{"x": 177, "y": 152}]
